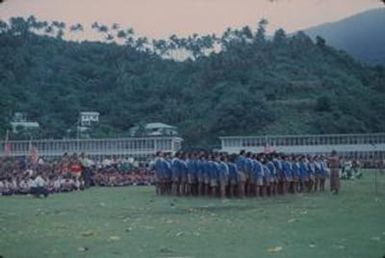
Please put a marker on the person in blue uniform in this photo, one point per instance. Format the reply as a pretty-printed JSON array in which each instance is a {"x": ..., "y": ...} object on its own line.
[
  {"x": 311, "y": 173},
  {"x": 295, "y": 174},
  {"x": 206, "y": 174},
  {"x": 324, "y": 173},
  {"x": 168, "y": 174},
  {"x": 175, "y": 168},
  {"x": 303, "y": 174},
  {"x": 286, "y": 169},
  {"x": 248, "y": 168},
  {"x": 191, "y": 174},
  {"x": 240, "y": 162},
  {"x": 159, "y": 167},
  {"x": 272, "y": 189},
  {"x": 233, "y": 176},
  {"x": 213, "y": 172},
  {"x": 223, "y": 175},
  {"x": 200, "y": 174},
  {"x": 280, "y": 177},
  {"x": 317, "y": 174},
  {"x": 266, "y": 178},
  {"x": 257, "y": 176},
  {"x": 183, "y": 175}
]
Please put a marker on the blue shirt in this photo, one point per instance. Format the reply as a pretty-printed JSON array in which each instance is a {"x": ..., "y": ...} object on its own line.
[
  {"x": 199, "y": 168},
  {"x": 248, "y": 168},
  {"x": 160, "y": 167},
  {"x": 257, "y": 170},
  {"x": 175, "y": 168},
  {"x": 324, "y": 168},
  {"x": 192, "y": 168},
  {"x": 205, "y": 166},
  {"x": 303, "y": 169},
  {"x": 223, "y": 171},
  {"x": 271, "y": 167},
  {"x": 168, "y": 168},
  {"x": 311, "y": 168},
  {"x": 183, "y": 168},
  {"x": 233, "y": 171},
  {"x": 278, "y": 167},
  {"x": 240, "y": 162},
  {"x": 295, "y": 169},
  {"x": 213, "y": 170},
  {"x": 286, "y": 169},
  {"x": 266, "y": 173}
]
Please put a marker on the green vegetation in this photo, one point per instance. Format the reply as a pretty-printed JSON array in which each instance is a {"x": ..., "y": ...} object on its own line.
[
  {"x": 361, "y": 35},
  {"x": 253, "y": 86},
  {"x": 133, "y": 222}
]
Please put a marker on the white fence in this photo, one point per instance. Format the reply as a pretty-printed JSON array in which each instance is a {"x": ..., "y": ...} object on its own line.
[
  {"x": 121, "y": 147},
  {"x": 358, "y": 145}
]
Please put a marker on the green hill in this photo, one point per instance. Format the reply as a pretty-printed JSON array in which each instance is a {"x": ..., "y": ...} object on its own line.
[
  {"x": 254, "y": 86},
  {"x": 361, "y": 35}
]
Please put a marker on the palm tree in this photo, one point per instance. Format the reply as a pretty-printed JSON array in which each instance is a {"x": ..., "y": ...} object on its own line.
[
  {"x": 95, "y": 25},
  {"x": 140, "y": 44},
  {"x": 19, "y": 26},
  {"x": 115, "y": 26},
  {"x": 109, "y": 37},
  {"x": 121, "y": 34},
  {"x": 76, "y": 27},
  {"x": 3, "y": 26},
  {"x": 103, "y": 28},
  {"x": 261, "y": 30}
]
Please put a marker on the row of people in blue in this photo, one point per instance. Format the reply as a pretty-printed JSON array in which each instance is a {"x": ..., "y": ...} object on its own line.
[{"x": 246, "y": 174}]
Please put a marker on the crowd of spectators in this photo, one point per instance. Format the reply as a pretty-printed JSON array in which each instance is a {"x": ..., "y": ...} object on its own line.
[{"x": 68, "y": 173}]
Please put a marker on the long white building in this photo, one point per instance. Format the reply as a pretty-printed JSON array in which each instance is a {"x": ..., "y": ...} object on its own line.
[
  {"x": 98, "y": 148},
  {"x": 357, "y": 145}
]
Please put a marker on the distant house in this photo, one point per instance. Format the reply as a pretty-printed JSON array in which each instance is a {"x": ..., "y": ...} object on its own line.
[
  {"x": 154, "y": 129},
  {"x": 19, "y": 123},
  {"x": 88, "y": 118}
]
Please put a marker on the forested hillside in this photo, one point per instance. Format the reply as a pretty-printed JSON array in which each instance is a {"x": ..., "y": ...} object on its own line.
[
  {"x": 361, "y": 35},
  {"x": 251, "y": 86}
]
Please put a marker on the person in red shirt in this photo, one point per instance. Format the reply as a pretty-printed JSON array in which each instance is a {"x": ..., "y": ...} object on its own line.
[{"x": 76, "y": 169}]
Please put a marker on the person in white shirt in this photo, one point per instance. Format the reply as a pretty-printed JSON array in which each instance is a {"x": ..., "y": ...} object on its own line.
[
  {"x": 8, "y": 187},
  {"x": 38, "y": 187},
  {"x": 77, "y": 184},
  {"x": 1, "y": 187},
  {"x": 57, "y": 185},
  {"x": 23, "y": 186}
]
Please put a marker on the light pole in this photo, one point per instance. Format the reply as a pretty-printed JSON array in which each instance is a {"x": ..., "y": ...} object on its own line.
[
  {"x": 375, "y": 167},
  {"x": 78, "y": 136}
]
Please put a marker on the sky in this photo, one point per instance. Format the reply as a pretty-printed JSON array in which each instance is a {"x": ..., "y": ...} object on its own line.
[{"x": 162, "y": 18}]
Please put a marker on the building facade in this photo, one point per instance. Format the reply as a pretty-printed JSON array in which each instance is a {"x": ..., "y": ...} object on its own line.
[
  {"x": 88, "y": 118},
  {"x": 138, "y": 147},
  {"x": 354, "y": 145},
  {"x": 154, "y": 129}
]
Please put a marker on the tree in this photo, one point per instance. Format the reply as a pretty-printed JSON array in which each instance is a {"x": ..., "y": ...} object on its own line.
[
  {"x": 279, "y": 37},
  {"x": 245, "y": 88},
  {"x": 261, "y": 31},
  {"x": 321, "y": 42}
]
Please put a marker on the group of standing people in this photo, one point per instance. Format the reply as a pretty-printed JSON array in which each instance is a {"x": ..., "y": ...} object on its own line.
[{"x": 247, "y": 174}]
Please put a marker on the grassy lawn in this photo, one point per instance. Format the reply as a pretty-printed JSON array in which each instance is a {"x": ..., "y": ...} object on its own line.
[{"x": 133, "y": 222}]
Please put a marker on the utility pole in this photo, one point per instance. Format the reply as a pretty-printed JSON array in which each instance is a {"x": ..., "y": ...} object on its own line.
[
  {"x": 78, "y": 135},
  {"x": 375, "y": 168}
]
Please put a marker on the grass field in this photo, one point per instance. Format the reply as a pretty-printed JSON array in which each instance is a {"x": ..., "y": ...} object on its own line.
[{"x": 133, "y": 222}]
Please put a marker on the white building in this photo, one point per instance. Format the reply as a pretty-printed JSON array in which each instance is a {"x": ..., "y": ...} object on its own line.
[
  {"x": 19, "y": 123},
  {"x": 358, "y": 145},
  {"x": 132, "y": 147},
  {"x": 154, "y": 129},
  {"x": 88, "y": 118}
]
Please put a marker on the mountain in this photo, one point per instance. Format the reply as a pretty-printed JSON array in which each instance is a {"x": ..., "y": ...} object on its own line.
[
  {"x": 286, "y": 85},
  {"x": 361, "y": 35}
]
